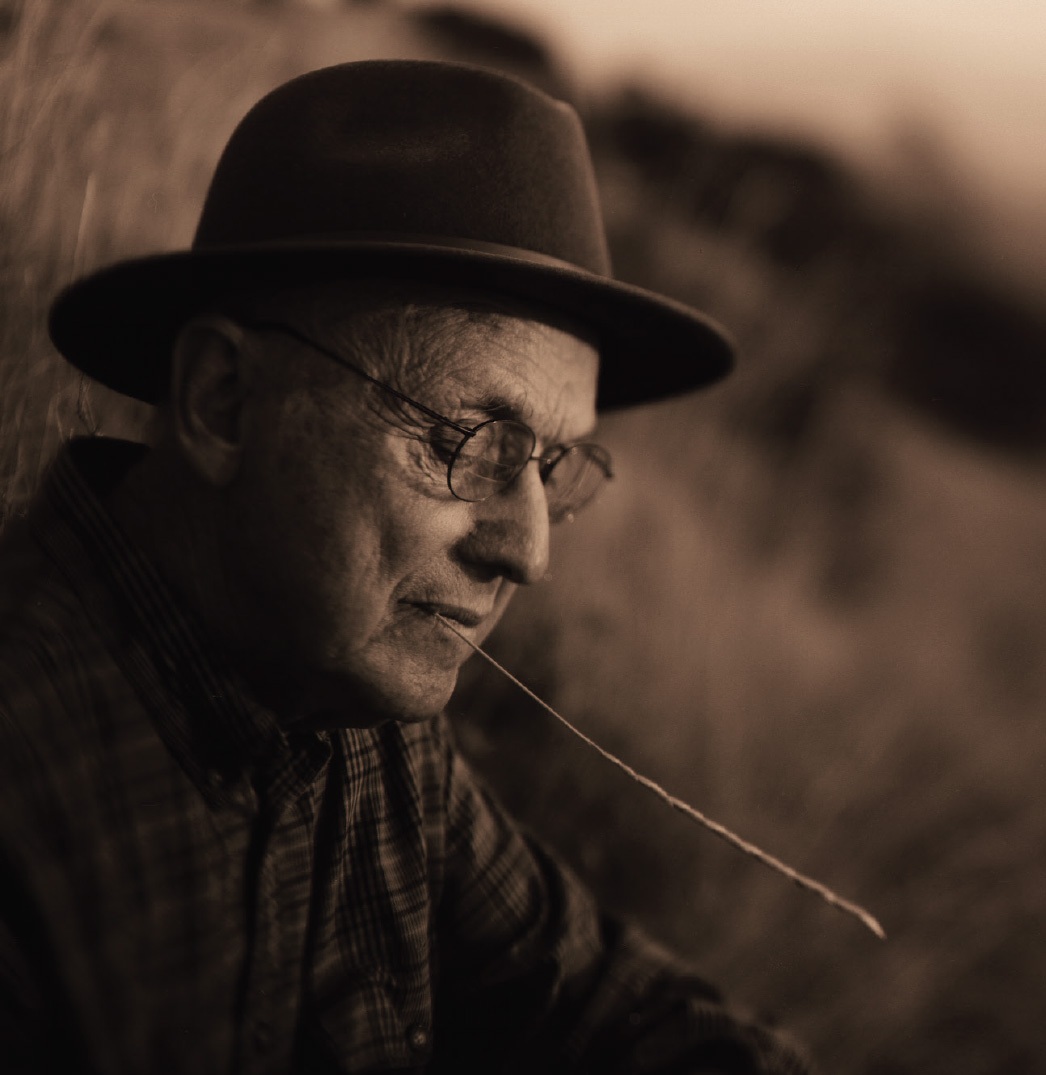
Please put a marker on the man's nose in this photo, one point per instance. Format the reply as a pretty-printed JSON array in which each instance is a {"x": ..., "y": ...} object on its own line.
[{"x": 510, "y": 531}]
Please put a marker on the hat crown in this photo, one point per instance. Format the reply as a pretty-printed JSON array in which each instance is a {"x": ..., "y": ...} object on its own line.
[
  {"x": 403, "y": 169},
  {"x": 414, "y": 149}
]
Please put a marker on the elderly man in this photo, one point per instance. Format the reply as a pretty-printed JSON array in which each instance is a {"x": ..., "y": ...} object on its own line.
[{"x": 234, "y": 831}]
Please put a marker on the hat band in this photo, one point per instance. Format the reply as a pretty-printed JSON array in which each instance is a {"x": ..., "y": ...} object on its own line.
[{"x": 410, "y": 242}]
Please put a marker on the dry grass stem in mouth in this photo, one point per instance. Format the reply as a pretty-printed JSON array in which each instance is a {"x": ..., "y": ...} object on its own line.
[{"x": 721, "y": 831}]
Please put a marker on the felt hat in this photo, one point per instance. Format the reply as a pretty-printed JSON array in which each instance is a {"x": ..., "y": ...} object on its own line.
[{"x": 423, "y": 170}]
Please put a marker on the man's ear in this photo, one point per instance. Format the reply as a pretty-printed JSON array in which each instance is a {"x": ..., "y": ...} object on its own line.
[{"x": 211, "y": 381}]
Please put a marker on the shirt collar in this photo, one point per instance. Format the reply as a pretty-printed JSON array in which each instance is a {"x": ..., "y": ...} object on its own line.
[{"x": 201, "y": 707}]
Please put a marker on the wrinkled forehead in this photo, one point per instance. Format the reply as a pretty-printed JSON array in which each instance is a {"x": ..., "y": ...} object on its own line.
[
  {"x": 525, "y": 369},
  {"x": 453, "y": 346}
]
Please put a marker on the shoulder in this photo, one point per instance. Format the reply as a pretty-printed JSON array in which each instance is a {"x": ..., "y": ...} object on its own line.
[
  {"x": 54, "y": 671},
  {"x": 62, "y": 698}
]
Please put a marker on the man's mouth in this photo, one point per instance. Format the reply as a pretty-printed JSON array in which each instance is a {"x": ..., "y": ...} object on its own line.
[{"x": 458, "y": 614}]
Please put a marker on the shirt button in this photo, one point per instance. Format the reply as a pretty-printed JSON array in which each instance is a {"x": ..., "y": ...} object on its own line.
[{"x": 418, "y": 1037}]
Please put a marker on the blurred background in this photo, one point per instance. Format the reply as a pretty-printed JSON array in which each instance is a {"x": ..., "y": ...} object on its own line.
[{"x": 813, "y": 601}]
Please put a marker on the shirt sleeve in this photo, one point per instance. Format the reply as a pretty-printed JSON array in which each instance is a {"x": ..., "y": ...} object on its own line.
[{"x": 533, "y": 977}]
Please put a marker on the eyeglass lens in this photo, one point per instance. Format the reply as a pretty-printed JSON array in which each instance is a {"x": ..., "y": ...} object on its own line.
[
  {"x": 573, "y": 478},
  {"x": 499, "y": 450}
]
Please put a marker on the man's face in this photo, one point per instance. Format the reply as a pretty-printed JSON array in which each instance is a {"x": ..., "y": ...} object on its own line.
[{"x": 352, "y": 536}]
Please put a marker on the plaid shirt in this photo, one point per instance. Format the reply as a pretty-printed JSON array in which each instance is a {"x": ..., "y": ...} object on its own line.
[{"x": 186, "y": 886}]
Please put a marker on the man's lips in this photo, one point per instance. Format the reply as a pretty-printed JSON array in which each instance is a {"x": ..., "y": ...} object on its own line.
[{"x": 459, "y": 614}]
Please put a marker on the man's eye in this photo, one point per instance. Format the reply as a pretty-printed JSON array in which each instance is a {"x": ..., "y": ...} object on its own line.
[{"x": 444, "y": 442}]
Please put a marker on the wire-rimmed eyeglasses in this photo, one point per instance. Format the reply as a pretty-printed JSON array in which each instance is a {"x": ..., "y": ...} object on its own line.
[{"x": 491, "y": 455}]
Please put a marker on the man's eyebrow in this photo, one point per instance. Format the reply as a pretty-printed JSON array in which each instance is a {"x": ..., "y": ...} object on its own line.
[{"x": 497, "y": 405}]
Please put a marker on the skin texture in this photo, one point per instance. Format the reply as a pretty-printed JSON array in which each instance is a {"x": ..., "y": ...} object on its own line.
[{"x": 313, "y": 530}]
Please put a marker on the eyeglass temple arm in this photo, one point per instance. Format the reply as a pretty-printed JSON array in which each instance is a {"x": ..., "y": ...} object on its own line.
[{"x": 287, "y": 330}]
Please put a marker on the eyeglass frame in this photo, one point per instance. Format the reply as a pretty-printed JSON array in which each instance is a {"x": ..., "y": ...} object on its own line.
[{"x": 546, "y": 462}]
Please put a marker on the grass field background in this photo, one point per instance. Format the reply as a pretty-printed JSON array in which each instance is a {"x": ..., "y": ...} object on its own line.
[{"x": 813, "y": 601}]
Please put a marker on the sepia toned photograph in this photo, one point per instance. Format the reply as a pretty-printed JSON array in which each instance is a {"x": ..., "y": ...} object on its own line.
[{"x": 522, "y": 533}]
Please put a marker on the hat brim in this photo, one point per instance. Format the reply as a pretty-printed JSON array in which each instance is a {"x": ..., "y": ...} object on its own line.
[{"x": 116, "y": 324}]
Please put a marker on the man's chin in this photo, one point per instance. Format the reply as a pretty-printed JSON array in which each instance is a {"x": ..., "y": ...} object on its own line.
[{"x": 366, "y": 704}]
